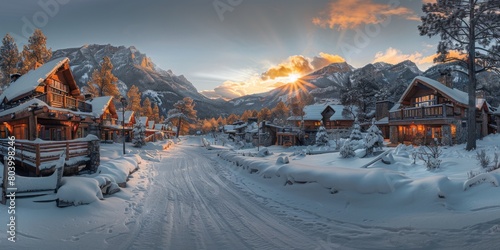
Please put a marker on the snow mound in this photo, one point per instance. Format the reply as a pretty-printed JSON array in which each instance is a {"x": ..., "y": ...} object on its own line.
[
  {"x": 483, "y": 177},
  {"x": 78, "y": 191},
  {"x": 118, "y": 170}
]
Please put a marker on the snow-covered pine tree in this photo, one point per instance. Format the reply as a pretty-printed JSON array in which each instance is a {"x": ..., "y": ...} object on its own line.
[
  {"x": 347, "y": 150},
  {"x": 139, "y": 135},
  {"x": 322, "y": 136},
  {"x": 356, "y": 131},
  {"x": 374, "y": 139}
]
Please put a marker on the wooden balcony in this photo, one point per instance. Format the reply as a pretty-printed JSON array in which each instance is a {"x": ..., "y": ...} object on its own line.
[
  {"x": 428, "y": 112},
  {"x": 63, "y": 101}
]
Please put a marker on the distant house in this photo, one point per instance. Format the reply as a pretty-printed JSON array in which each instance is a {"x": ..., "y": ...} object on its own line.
[
  {"x": 304, "y": 127},
  {"x": 330, "y": 115},
  {"x": 429, "y": 109},
  {"x": 106, "y": 116},
  {"x": 129, "y": 118}
]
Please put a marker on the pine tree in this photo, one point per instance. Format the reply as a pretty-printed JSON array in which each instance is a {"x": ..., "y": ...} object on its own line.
[
  {"x": 264, "y": 114},
  {"x": 156, "y": 113},
  {"x": 471, "y": 29},
  {"x": 183, "y": 111},
  {"x": 103, "y": 82},
  {"x": 247, "y": 114},
  {"x": 146, "y": 108},
  {"x": 231, "y": 119},
  {"x": 139, "y": 131},
  {"x": 35, "y": 51},
  {"x": 9, "y": 58},
  {"x": 374, "y": 139},
  {"x": 347, "y": 150},
  {"x": 356, "y": 131},
  {"x": 280, "y": 113},
  {"x": 134, "y": 100},
  {"x": 322, "y": 136}
]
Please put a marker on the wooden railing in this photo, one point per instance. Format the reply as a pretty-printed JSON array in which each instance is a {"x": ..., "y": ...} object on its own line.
[
  {"x": 64, "y": 101},
  {"x": 44, "y": 154},
  {"x": 435, "y": 111}
]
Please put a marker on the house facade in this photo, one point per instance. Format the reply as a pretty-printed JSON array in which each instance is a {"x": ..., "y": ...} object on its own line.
[
  {"x": 45, "y": 103},
  {"x": 430, "y": 110},
  {"x": 48, "y": 117}
]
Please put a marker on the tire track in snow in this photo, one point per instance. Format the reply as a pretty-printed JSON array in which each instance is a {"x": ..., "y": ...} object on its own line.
[{"x": 189, "y": 207}]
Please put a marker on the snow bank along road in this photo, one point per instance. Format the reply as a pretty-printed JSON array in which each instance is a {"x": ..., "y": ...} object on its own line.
[{"x": 195, "y": 201}]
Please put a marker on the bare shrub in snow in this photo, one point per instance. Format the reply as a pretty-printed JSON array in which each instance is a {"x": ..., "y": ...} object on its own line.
[
  {"x": 483, "y": 159},
  {"x": 430, "y": 155},
  {"x": 347, "y": 151}
]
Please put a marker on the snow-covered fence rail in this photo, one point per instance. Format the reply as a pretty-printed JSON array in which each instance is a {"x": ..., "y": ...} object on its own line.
[
  {"x": 41, "y": 156},
  {"x": 157, "y": 136}
]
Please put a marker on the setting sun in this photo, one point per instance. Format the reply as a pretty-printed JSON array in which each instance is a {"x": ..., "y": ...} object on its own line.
[{"x": 293, "y": 77}]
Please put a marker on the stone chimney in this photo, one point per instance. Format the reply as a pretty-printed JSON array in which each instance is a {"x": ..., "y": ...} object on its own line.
[{"x": 445, "y": 78}]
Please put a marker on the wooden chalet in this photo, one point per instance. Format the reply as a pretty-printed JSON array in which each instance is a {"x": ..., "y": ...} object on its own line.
[
  {"x": 429, "y": 109},
  {"x": 330, "y": 115},
  {"x": 304, "y": 127},
  {"x": 107, "y": 118},
  {"x": 44, "y": 105}
]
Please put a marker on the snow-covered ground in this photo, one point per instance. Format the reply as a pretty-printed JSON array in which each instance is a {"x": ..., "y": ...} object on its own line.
[{"x": 188, "y": 197}]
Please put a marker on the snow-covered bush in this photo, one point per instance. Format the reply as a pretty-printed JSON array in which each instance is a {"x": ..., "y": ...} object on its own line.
[
  {"x": 322, "y": 136},
  {"x": 483, "y": 159},
  {"x": 374, "y": 139},
  {"x": 356, "y": 131},
  {"x": 139, "y": 131},
  {"x": 347, "y": 151},
  {"x": 430, "y": 155}
]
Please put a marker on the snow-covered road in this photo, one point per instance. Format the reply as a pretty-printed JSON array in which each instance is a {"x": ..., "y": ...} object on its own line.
[
  {"x": 190, "y": 206},
  {"x": 195, "y": 201}
]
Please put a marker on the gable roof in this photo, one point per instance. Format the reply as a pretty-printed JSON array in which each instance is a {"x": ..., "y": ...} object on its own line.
[
  {"x": 128, "y": 116},
  {"x": 143, "y": 120},
  {"x": 29, "y": 81},
  {"x": 453, "y": 94},
  {"x": 313, "y": 113},
  {"x": 100, "y": 104},
  {"x": 151, "y": 124}
]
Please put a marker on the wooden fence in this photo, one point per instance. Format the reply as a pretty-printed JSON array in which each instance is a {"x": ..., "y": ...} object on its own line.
[{"x": 43, "y": 155}]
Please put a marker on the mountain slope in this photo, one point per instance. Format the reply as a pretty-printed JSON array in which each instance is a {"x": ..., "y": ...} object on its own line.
[{"x": 134, "y": 68}]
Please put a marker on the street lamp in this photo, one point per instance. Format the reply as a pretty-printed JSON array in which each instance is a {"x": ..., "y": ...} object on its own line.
[{"x": 124, "y": 102}]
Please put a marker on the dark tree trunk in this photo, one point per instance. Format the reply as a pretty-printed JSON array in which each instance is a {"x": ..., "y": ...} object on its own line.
[
  {"x": 178, "y": 127},
  {"x": 471, "y": 111}
]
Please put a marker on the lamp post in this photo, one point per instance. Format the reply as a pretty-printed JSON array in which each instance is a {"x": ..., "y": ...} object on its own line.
[{"x": 124, "y": 102}]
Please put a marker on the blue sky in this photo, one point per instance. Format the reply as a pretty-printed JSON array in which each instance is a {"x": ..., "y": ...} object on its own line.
[{"x": 232, "y": 47}]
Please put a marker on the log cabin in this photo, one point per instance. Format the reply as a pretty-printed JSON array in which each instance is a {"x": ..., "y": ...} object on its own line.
[
  {"x": 430, "y": 110},
  {"x": 42, "y": 106}
]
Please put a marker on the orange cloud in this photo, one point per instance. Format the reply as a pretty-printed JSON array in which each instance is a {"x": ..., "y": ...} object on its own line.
[
  {"x": 395, "y": 56},
  {"x": 301, "y": 65},
  {"x": 354, "y": 13}
]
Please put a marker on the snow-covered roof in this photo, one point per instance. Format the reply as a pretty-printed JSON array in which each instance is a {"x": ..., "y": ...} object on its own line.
[
  {"x": 143, "y": 120},
  {"x": 28, "y": 82},
  {"x": 159, "y": 126},
  {"x": 151, "y": 124},
  {"x": 40, "y": 104},
  {"x": 383, "y": 121},
  {"x": 338, "y": 113},
  {"x": 128, "y": 116},
  {"x": 313, "y": 113},
  {"x": 455, "y": 94},
  {"x": 100, "y": 104}
]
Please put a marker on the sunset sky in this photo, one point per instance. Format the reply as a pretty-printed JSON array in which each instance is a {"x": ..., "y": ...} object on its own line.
[{"x": 233, "y": 47}]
